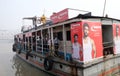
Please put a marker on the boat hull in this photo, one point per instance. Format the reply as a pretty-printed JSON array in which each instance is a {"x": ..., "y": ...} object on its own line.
[{"x": 100, "y": 67}]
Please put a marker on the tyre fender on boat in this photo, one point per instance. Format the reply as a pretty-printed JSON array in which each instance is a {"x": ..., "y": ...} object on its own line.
[
  {"x": 14, "y": 48},
  {"x": 48, "y": 63},
  {"x": 27, "y": 54},
  {"x": 19, "y": 51}
]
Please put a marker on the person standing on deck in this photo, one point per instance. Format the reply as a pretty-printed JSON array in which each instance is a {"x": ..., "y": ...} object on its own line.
[
  {"x": 88, "y": 44},
  {"x": 49, "y": 44},
  {"x": 56, "y": 45}
]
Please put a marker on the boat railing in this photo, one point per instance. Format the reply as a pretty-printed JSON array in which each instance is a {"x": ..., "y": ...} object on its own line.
[
  {"x": 108, "y": 48},
  {"x": 108, "y": 44}
]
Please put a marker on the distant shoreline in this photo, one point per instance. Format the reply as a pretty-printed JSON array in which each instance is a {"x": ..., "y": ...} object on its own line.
[{"x": 6, "y": 40}]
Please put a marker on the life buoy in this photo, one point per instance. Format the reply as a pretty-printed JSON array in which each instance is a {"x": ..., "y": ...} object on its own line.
[
  {"x": 19, "y": 51},
  {"x": 48, "y": 63},
  {"x": 14, "y": 48},
  {"x": 27, "y": 54}
]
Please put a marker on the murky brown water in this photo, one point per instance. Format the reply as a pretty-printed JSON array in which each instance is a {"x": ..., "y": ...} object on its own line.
[{"x": 11, "y": 65}]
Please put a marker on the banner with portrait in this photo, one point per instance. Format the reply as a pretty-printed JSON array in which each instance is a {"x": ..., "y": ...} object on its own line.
[
  {"x": 76, "y": 39},
  {"x": 116, "y": 37},
  {"x": 92, "y": 40}
]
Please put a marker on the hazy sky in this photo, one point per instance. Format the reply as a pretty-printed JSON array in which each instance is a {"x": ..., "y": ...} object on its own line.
[{"x": 12, "y": 11}]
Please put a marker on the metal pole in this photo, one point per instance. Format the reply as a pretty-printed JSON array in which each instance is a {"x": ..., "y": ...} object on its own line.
[
  {"x": 25, "y": 43},
  {"x": 64, "y": 41},
  {"x": 28, "y": 44},
  {"x": 31, "y": 43},
  {"x": 48, "y": 33},
  {"x": 42, "y": 41},
  {"x": 104, "y": 8},
  {"x": 78, "y": 10},
  {"x": 36, "y": 40},
  {"x": 52, "y": 36},
  {"x": 52, "y": 41}
]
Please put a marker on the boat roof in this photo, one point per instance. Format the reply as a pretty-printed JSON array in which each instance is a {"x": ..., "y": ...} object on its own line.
[
  {"x": 30, "y": 18},
  {"x": 101, "y": 17},
  {"x": 71, "y": 20}
]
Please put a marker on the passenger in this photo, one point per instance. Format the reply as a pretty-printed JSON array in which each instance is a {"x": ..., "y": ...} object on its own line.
[
  {"x": 15, "y": 45},
  {"x": 46, "y": 44},
  {"x": 56, "y": 45},
  {"x": 49, "y": 44},
  {"x": 76, "y": 49},
  {"x": 22, "y": 44},
  {"x": 34, "y": 43},
  {"x": 18, "y": 43},
  {"x": 88, "y": 44},
  {"x": 15, "y": 39},
  {"x": 40, "y": 41}
]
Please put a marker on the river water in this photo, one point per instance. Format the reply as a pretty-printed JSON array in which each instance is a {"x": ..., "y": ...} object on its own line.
[{"x": 11, "y": 65}]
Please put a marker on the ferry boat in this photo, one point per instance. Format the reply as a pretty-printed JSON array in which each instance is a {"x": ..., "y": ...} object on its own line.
[{"x": 71, "y": 44}]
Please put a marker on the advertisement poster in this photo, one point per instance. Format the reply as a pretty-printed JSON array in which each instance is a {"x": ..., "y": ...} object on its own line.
[
  {"x": 92, "y": 40},
  {"x": 76, "y": 38},
  {"x": 116, "y": 34},
  {"x": 60, "y": 16},
  {"x": 21, "y": 36},
  {"x": 28, "y": 34}
]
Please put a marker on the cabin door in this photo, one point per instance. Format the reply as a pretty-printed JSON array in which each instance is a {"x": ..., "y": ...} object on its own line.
[{"x": 107, "y": 39}]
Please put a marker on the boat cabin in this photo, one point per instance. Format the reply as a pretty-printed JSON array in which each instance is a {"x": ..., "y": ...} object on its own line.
[{"x": 83, "y": 38}]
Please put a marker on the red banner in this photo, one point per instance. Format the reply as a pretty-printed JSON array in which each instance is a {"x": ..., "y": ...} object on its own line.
[
  {"x": 116, "y": 34},
  {"x": 28, "y": 34},
  {"x": 60, "y": 16},
  {"x": 21, "y": 36},
  {"x": 92, "y": 40},
  {"x": 86, "y": 40},
  {"x": 76, "y": 37}
]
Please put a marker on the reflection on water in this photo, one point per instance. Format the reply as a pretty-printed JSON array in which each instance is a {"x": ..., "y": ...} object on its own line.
[
  {"x": 11, "y": 65},
  {"x": 24, "y": 69}
]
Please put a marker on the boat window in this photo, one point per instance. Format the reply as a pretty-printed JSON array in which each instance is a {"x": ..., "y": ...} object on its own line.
[
  {"x": 34, "y": 40},
  {"x": 30, "y": 39},
  {"x": 107, "y": 37},
  {"x": 68, "y": 33},
  {"x": 60, "y": 35},
  {"x": 26, "y": 39}
]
